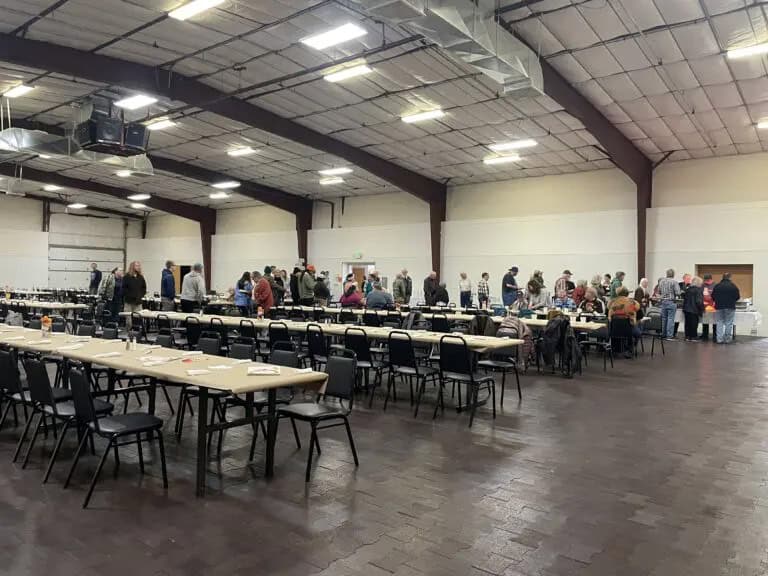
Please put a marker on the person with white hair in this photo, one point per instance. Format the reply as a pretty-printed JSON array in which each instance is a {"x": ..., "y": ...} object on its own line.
[{"x": 193, "y": 289}]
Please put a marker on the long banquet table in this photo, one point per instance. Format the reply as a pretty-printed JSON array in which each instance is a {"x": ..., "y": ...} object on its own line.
[{"x": 168, "y": 365}]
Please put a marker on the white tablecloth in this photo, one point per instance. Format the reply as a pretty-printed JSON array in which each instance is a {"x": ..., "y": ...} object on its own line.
[{"x": 745, "y": 322}]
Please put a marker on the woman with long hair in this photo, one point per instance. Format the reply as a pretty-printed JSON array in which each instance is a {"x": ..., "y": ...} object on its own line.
[
  {"x": 134, "y": 290},
  {"x": 243, "y": 289}
]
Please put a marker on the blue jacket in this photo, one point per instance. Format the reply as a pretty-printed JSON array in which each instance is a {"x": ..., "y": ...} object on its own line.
[
  {"x": 243, "y": 299},
  {"x": 168, "y": 284}
]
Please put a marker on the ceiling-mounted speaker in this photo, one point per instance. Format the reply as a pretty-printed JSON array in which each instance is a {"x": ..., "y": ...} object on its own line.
[{"x": 136, "y": 137}]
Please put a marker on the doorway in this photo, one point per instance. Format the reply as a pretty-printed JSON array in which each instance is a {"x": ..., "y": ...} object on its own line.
[
  {"x": 741, "y": 275},
  {"x": 359, "y": 269}
]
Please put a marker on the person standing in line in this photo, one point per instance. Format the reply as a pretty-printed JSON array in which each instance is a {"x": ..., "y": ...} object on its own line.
[
  {"x": 322, "y": 293},
  {"x": 262, "y": 293},
  {"x": 616, "y": 283},
  {"x": 561, "y": 284},
  {"x": 243, "y": 290},
  {"x": 709, "y": 305},
  {"x": 294, "y": 285},
  {"x": 465, "y": 290},
  {"x": 134, "y": 290},
  {"x": 430, "y": 287},
  {"x": 193, "y": 289},
  {"x": 279, "y": 285},
  {"x": 669, "y": 292},
  {"x": 693, "y": 308},
  {"x": 725, "y": 295},
  {"x": 112, "y": 294},
  {"x": 379, "y": 299},
  {"x": 408, "y": 286},
  {"x": 483, "y": 291},
  {"x": 307, "y": 286},
  {"x": 509, "y": 287},
  {"x": 168, "y": 288},
  {"x": 441, "y": 295},
  {"x": 398, "y": 289},
  {"x": 95, "y": 281},
  {"x": 277, "y": 290}
]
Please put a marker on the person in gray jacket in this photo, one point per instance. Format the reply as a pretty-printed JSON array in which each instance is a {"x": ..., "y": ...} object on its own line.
[
  {"x": 192, "y": 289},
  {"x": 399, "y": 289},
  {"x": 307, "y": 286}
]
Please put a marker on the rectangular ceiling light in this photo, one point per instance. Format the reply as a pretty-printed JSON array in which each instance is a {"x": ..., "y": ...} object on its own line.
[
  {"x": 347, "y": 73},
  {"x": 135, "y": 102},
  {"x": 226, "y": 185},
  {"x": 421, "y": 116},
  {"x": 762, "y": 125},
  {"x": 123, "y": 173},
  {"x": 139, "y": 197},
  {"x": 193, "y": 8},
  {"x": 51, "y": 188},
  {"x": 748, "y": 51},
  {"x": 335, "y": 171},
  {"x": 161, "y": 124},
  {"x": 218, "y": 196},
  {"x": 17, "y": 91},
  {"x": 331, "y": 180},
  {"x": 137, "y": 206},
  {"x": 244, "y": 151},
  {"x": 77, "y": 206},
  {"x": 513, "y": 145},
  {"x": 491, "y": 160},
  {"x": 334, "y": 36}
]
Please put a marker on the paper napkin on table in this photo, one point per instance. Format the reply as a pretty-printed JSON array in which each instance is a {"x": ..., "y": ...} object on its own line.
[
  {"x": 151, "y": 347},
  {"x": 263, "y": 370},
  {"x": 197, "y": 372},
  {"x": 220, "y": 367},
  {"x": 71, "y": 347},
  {"x": 303, "y": 370},
  {"x": 108, "y": 355},
  {"x": 242, "y": 361},
  {"x": 192, "y": 353}
]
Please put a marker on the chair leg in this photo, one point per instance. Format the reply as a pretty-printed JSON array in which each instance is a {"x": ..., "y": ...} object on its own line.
[
  {"x": 168, "y": 398},
  {"x": 311, "y": 449},
  {"x": 503, "y": 386},
  {"x": 519, "y": 391},
  {"x": 317, "y": 443},
  {"x": 56, "y": 449},
  {"x": 296, "y": 434},
  {"x": 493, "y": 398},
  {"x": 419, "y": 393},
  {"x": 473, "y": 400},
  {"x": 75, "y": 460},
  {"x": 6, "y": 410},
  {"x": 23, "y": 437},
  {"x": 98, "y": 472},
  {"x": 351, "y": 441},
  {"x": 140, "y": 450},
  {"x": 32, "y": 442},
  {"x": 117, "y": 458},
  {"x": 161, "y": 445}
]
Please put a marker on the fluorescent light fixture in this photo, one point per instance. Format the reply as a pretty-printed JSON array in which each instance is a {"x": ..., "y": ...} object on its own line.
[
  {"x": 347, "y": 73},
  {"x": 226, "y": 185},
  {"x": 334, "y": 36},
  {"x": 331, "y": 180},
  {"x": 77, "y": 206},
  {"x": 138, "y": 206},
  {"x": 762, "y": 125},
  {"x": 335, "y": 171},
  {"x": 44, "y": 156},
  {"x": 135, "y": 102},
  {"x": 161, "y": 124},
  {"x": 19, "y": 90},
  {"x": 421, "y": 116},
  {"x": 491, "y": 160},
  {"x": 123, "y": 173},
  {"x": 218, "y": 196},
  {"x": 51, "y": 188},
  {"x": 748, "y": 51},
  {"x": 244, "y": 151},
  {"x": 193, "y": 8},
  {"x": 513, "y": 145},
  {"x": 139, "y": 197}
]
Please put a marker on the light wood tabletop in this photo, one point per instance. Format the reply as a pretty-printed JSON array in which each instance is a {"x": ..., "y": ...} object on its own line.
[{"x": 38, "y": 305}]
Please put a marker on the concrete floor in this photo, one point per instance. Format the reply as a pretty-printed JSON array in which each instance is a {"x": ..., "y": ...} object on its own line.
[{"x": 657, "y": 467}]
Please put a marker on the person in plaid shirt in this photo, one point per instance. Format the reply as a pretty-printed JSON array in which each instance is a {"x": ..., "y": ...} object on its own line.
[{"x": 483, "y": 292}]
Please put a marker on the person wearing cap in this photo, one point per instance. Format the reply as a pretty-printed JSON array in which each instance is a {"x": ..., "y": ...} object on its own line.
[
  {"x": 307, "y": 286},
  {"x": 192, "y": 289},
  {"x": 168, "y": 288},
  {"x": 379, "y": 299},
  {"x": 509, "y": 287},
  {"x": 562, "y": 283},
  {"x": 322, "y": 292}
]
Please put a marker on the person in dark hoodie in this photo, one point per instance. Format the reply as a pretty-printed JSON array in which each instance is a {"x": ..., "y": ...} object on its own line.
[
  {"x": 294, "y": 285},
  {"x": 725, "y": 295},
  {"x": 693, "y": 308},
  {"x": 709, "y": 304},
  {"x": 168, "y": 288}
]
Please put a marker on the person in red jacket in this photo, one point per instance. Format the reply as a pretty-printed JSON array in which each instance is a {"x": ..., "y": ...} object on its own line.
[
  {"x": 709, "y": 304},
  {"x": 262, "y": 292}
]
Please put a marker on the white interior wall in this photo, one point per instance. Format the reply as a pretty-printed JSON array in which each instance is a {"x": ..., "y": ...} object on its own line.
[
  {"x": 169, "y": 226},
  {"x": 153, "y": 253},
  {"x": 254, "y": 220},
  {"x": 18, "y": 213},
  {"x": 23, "y": 246},
  {"x": 361, "y": 211}
]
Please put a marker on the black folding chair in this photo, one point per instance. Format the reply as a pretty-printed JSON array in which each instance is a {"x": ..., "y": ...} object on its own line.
[
  {"x": 456, "y": 366},
  {"x": 355, "y": 339},
  {"x": 402, "y": 362},
  {"x": 317, "y": 346}
]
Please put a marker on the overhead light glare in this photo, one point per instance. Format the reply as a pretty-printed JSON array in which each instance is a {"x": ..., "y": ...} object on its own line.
[
  {"x": 123, "y": 173},
  {"x": 762, "y": 125},
  {"x": 44, "y": 156},
  {"x": 193, "y": 8},
  {"x": 491, "y": 160},
  {"x": 226, "y": 185},
  {"x": 335, "y": 171},
  {"x": 139, "y": 197},
  {"x": 19, "y": 90},
  {"x": 218, "y": 196},
  {"x": 138, "y": 206},
  {"x": 421, "y": 116},
  {"x": 332, "y": 180},
  {"x": 513, "y": 145},
  {"x": 748, "y": 51},
  {"x": 243, "y": 151},
  {"x": 135, "y": 102},
  {"x": 77, "y": 206},
  {"x": 343, "y": 33},
  {"x": 51, "y": 188},
  {"x": 348, "y": 73},
  {"x": 161, "y": 124}
]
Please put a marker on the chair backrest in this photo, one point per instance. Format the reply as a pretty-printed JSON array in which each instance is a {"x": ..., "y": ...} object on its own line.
[
  {"x": 81, "y": 398},
  {"x": 620, "y": 328},
  {"x": 454, "y": 355},
  {"x": 296, "y": 313},
  {"x": 286, "y": 345},
  {"x": 137, "y": 324},
  {"x": 193, "y": 329},
  {"x": 247, "y": 329},
  {"x": 109, "y": 332},
  {"x": 163, "y": 324},
  {"x": 38, "y": 382},
  {"x": 217, "y": 324},
  {"x": 654, "y": 322},
  {"x": 440, "y": 323},
  {"x": 35, "y": 323},
  {"x": 278, "y": 332},
  {"x": 394, "y": 319},
  {"x": 284, "y": 358},
  {"x": 58, "y": 324},
  {"x": 371, "y": 318},
  {"x": 86, "y": 329},
  {"x": 356, "y": 340},
  {"x": 243, "y": 348},
  {"x": 9, "y": 372},
  {"x": 400, "y": 348},
  {"x": 347, "y": 317},
  {"x": 210, "y": 343},
  {"x": 342, "y": 371},
  {"x": 165, "y": 340},
  {"x": 316, "y": 343}
]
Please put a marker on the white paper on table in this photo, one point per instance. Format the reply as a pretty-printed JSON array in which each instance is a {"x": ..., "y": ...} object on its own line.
[
  {"x": 192, "y": 353},
  {"x": 197, "y": 372},
  {"x": 16, "y": 338},
  {"x": 108, "y": 355},
  {"x": 242, "y": 361},
  {"x": 303, "y": 370},
  {"x": 220, "y": 367},
  {"x": 72, "y": 347},
  {"x": 263, "y": 370},
  {"x": 151, "y": 347},
  {"x": 39, "y": 342}
]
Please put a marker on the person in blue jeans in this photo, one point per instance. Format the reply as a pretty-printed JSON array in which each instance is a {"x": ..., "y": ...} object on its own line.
[
  {"x": 725, "y": 295},
  {"x": 669, "y": 292},
  {"x": 509, "y": 287}
]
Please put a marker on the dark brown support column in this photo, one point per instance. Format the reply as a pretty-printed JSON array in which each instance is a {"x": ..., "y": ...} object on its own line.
[
  {"x": 207, "y": 230},
  {"x": 303, "y": 226},
  {"x": 436, "y": 219},
  {"x": 46, "y": 215},
  {"x": 644, "y": 199}
]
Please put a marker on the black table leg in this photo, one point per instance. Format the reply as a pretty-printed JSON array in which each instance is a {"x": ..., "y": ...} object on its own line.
[
  {"x": 202, "y": 437},
  {"x": 152, "y": 393},
  {"x": 269, "y": 469}
]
